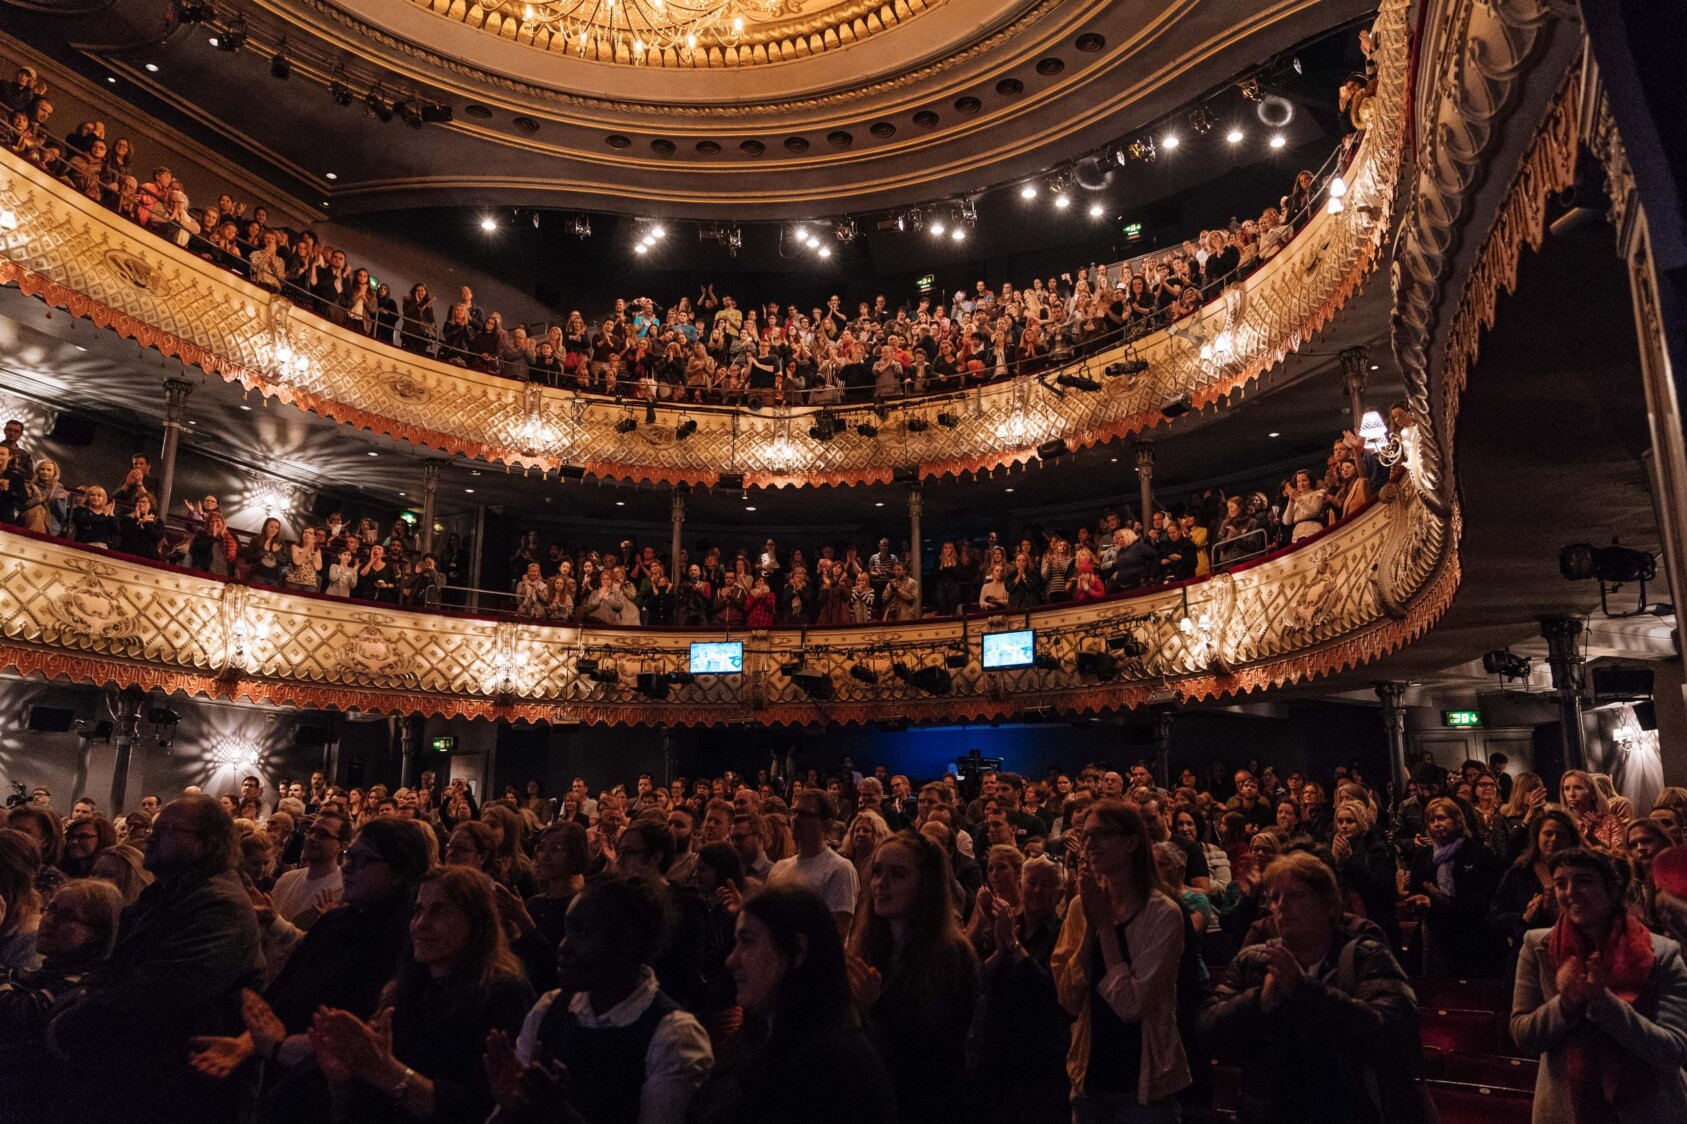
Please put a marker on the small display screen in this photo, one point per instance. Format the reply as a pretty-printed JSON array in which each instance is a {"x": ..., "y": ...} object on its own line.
[
  {"x": 717, "y": 657},
  {"x": 1009, "y": 649}
]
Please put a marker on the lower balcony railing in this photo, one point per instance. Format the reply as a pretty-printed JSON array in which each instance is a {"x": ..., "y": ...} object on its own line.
[{"x": 1338, "y": 599}]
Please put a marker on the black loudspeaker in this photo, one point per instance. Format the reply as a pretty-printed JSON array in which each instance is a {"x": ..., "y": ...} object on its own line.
[
  {"x": 73, "y": 431},
  {"x": 48, "y": 719},
  {"x": 1619, "y": 682},
  {"x": 1646, "y": 713},
  {"x": 312, "y": 737}
]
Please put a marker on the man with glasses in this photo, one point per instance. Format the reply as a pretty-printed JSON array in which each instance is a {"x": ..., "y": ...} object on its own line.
[
  {"x": 815, "y": 866},
  {"x": 749, "y": 839},
  {"x": 297, "y": 890},
  {"x": 184, "y": 951}
]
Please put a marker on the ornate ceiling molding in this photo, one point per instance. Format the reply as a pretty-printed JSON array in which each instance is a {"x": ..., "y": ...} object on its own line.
[
  {"x": 71, "y": 253},
  {"x": 1315, "y": 610}
]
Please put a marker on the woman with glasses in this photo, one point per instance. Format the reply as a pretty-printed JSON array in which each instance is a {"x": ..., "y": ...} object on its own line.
[
  {"x": 1496, "y": 830},
  {"x": 1116, "y": 969}
]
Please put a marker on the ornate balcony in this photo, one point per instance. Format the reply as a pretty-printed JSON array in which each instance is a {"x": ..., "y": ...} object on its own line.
[
  {"x": 1336, "y": 600},
  {"x": 71, "y": 253}
]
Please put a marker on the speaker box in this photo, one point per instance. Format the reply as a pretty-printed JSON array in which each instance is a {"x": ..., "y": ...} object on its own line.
[
  {"x": 312, "y": 737},
  {"x": 73, "y": 431},
  {"x": 1619, "y": 682},
  {"x": 48, "y": 719}
]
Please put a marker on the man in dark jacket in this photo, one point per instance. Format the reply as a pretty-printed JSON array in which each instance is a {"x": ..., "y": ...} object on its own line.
[{"x": 184, "y": 951}]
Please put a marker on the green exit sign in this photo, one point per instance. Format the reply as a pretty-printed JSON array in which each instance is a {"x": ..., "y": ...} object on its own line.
[
  {"x": 926, "y": 282},
  {"x": 445, "y": 745},
  {"x": 1461, "y": 719},
  {"x": 1133, "y": 230}
]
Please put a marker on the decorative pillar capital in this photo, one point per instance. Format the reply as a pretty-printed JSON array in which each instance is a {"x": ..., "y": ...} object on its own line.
[
  {"x": 676, "y": 505},
  {"x": 1563, "y": 636},
  {"x": 1144, "y": 459},
  {"x": 176, "y": 393},
  {"x": 916, "y": 501},
  {"x": 1355, "y": 368},
  {"x": 430, "y": 474}
]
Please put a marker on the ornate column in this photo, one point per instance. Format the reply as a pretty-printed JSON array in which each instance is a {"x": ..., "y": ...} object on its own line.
[
  {"x": 475, "y": 555},
  {"x": 1393, "y": 698},
  {"x": 1563, "y": 654},
  {"x": 916, "y": 508},
  {"x": 409, "y": 749},
  {"x": 123, "y": 741},
  {"x": 175, "y": 416},
  {"x": 1355, "y": 373},
  {"x": 430, "y": 489},
  {"x": 676, "y": 517},
  {"x": 1145, "y": 475},
  {"x": 1163, "y": 748}
]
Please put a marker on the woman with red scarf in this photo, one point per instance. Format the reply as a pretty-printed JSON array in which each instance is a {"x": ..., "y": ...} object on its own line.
[{"x": 1604, "y": 1002}]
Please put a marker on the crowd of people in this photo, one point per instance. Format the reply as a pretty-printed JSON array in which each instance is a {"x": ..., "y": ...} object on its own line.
[
  {"x": 706, "y": 349},
  {"x": 630, "y": 585},
  {"x": 837, "y": 946}
]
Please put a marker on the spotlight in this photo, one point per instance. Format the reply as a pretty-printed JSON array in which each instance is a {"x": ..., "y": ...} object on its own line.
[
  {"x": 826, "y": 426},
  {"x": 1099, "y": 664},
  {"x": 1143, "y": 149},
  {"x": 341, "y": 93},
  {"x": 1201, "y": 120},
  {"x": 1176, "y": 407},
  {"x": 658, "y": 232},
  {"x": 958, "y": 234},
  {"x": 233, "y": 37},
  {"x": 1169, "y": 141},
  {"x": 1125, "y": 367},
  {"x": 626, "y": 425},
  {"x": 1128, "y": 644},
  {"x": 488, "y": 224},
  {"x": 681, "y": 678},
  {"x": 936, "y": 225},
  {"x": 1062, "y": 202},
  {"x": 377, "y": 104},
  {"x": 642, "y": 248},
  {"x": 917, "y": 424},
  {"x": 867, "y": 429},
  {"x": 1078, "y": 381},
  {"x": 1028, "y": 191},
  {"x": 1278, "y": 141},
  {"x": 280, "y": 65},
  {"x": 192, "y": 11},
  {"x": 1506, "y": 665},
  {"x": 1612, "y": 566},
  {"x": 607, "y": 671},
  {"x": 435, "y": 114},
  {"x": 1046, "y": 663},
  {"x": 791, "y": 668},
  {"x": 1097, "y": 210},
  {"x": 845, "y": 231},
  {"x": 825, "y": 251},
  {"x": 1234, "y": 136},
  {"x": 580, "y": 226},
  {"x": 932, "y": 680},
  {"x": 1049, "y": 450},
  {"x": 652, "y": 685},
  {"x": 1250, "y": 88},
  {"x": 863, "y": 673},
  {"x": 968, "y": 213},
  {"x": 685, "y": 429},
  {"x": 817, "y": 685},
  {"x": 410, "y": 111},
  {"x": 585, "y": 666},
  {"x": 947, "y": 420},
  {"x": 731, "y": 481}
]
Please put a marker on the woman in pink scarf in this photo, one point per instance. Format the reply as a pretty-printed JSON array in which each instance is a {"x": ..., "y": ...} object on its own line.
[{"x": 1604, "y": 1002}]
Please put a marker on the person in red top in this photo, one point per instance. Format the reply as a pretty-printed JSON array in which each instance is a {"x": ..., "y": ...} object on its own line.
[{"x": 759, "y": 609}]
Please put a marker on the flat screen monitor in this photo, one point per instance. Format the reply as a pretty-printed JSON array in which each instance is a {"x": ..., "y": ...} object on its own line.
[
  {"x": 1009, "y": 649},
  {"x": 717, "y": 657}
]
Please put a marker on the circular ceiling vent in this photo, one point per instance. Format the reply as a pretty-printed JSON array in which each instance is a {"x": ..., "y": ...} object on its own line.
[
  {"x": 796, "y": 144},
  {"x": 1049, "y": 67},
  {"x": 477, "y": 111},
  {"x": 882, "y": 129},
  {"x": 839, "y": 139},
  {"x": 525, "y": 124},
  {"x": 752, "y": 147},
  {"x": 925, "y": 119},
  {"x": 1090, "y": 42},
  {"x": 708, "y": 148},
  {"x": 1010, "y": 87},
  {"x": 662, "y": 146},
  {"x": 968, "y": 104},
  {"x": 616, "y": 140}
]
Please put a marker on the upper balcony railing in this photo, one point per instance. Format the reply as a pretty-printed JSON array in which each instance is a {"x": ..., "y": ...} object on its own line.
[
  {"x": 1348, "y": 595},
  {"x": 69, "y": 251}
]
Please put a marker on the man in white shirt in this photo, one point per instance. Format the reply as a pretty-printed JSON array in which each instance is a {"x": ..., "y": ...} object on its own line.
[
  {"x": 628, "y": 1050},
  {"x": 816, "y": 866},
  {"x": 319, "y": 857}
]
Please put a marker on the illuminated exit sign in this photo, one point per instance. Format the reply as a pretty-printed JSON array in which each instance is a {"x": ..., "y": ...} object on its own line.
[
  {"x": 1461, "y": 719},
  {"x": 445, "y": 745}
]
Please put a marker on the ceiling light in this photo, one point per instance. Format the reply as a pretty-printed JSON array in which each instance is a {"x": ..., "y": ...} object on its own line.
[
  {"x": 1097, "y": 210},
  {"x": 881, "y": 503},
  {"x": 152, "y": 68},
  {"x": 112, "y": 80},
  {"x": 373, "y": 453},
  {"x": 620, "y": 503},
  {"x": 1028, "y": 191},
  {"x": 1278, "y": 141},
  {"x": 826, "y": 251},
  {"x": 79, "y": 347},
  {"x": 937, "y": 226},
  {"x": 1234, "y": 136},
  {"x": 1169, "y": 141},
  {"x": 959, "y": 234},
  {"x": 749, "y": 507},
  {"x": 642, "y": 248},
  {"x": 280, "y": 63},
  {"x": 658, "y": 231},
  {"x": 332, "y": 175},
  {"x": 248, "y": 409},
  {"x": 1274, "y": 433},
  {"x": 1062, "y": 202},
  {"x": 1007, "y": 489},
  {"x": 470, "y": 491},
  {"x": 488, "y": 224}
]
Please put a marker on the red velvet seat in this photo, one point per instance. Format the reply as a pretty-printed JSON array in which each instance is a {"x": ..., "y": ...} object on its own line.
[
  {"x": 1458, "y": 1031},
  {"x": 1462, "y": 995},
  {"x": 1494, "y": 1072},
  {"x": 1458, "y": 1103}
]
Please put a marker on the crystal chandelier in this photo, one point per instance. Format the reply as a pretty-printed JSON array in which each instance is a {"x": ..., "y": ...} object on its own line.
[{"x": 635, "y": 29}]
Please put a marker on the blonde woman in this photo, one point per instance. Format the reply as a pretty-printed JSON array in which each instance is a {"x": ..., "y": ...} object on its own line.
[
  {"x": 1528, "y": 797},
  {"x": 123, "y": 867},
  {"x": 94, "y": 521},
  {"x": 866, "y": 831},
  {"x": 46, "y": 508},
  {"x": 1581, "y": 796}
]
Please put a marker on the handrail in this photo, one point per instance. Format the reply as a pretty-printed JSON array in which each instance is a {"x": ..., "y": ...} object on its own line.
[{"x": 95, "y": 616}]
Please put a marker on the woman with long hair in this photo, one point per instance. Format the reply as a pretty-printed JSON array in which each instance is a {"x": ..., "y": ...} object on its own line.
[
  {"x": 1452, "y": 883},
  {"x": 1524, "y": 898},
  {"x": 1116, "y": 968},
  {"x": 1603, "y": 1003},
  {"x": 1316, "y": 814},
  {"x": 999, "y": 894},
  {"x": 561, "y": 859},
  {"x": 266, "y": 556},
  {"x": 861, "y": 841},
  {"x": 913, "y": 975},
  {"x": 1586, "y": 802},
  {"x": 1365, "y": 863},
  {"x": 511, "y": 867},
  {"x": 419, "y": 1058},
  {"x": 124, "y": 867}
]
